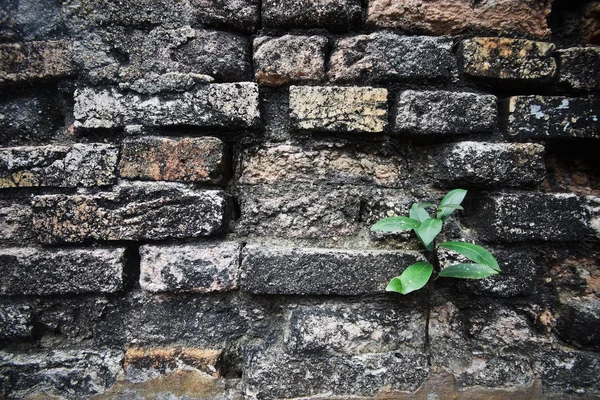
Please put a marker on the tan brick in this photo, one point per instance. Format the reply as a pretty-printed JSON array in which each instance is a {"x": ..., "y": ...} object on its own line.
[
  {"x": 334, "y": 108},
  {"x": 165, "y": 159},
  {"x": 168, "y": 359},
  {"x": 35, "y": 60},
  {"x": 505, "y": 58}
]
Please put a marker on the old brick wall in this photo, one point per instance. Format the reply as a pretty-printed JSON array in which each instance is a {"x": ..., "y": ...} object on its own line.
[{"x": 186, "y": 191}]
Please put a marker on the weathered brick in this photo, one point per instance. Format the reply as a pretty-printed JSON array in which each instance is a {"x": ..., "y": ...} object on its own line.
[
  {"x": 279, "y": 270},
  {"x": 449, "y": 17},
  {"x": 38, "y": 271},
  {"x": 269, "y": 164},
  {"x": 35, "y": 60},
  {"x": 272, "y": 374},
  {"x": 132, "y": 211},
  {"x": 16, "y": 321},
  {"x": 59, "y": 373},
  {"x": 578, "y": 320},
  {"x": 200, "y": 268},
  {"x": 546, "y": 117},
  {"x": 303, "y": 211},
  {"x": 580, "y": 68},
  {"x": 441, "y": 112},
  {"x": 29, "y": 118},
  {"x": 355, "y": 328},
  {"x": 144, "y": 363},
  {"x": 61, "y": 166},
  {"x": 593, "y": 207},
  {"x": 237, "y": 14},
  {"x": 202, "y": 321},
  {"x": 507, "y": 59},
  {"x": 521, "y": 217},
  {"x": 15, "y": 221},
  {"x": 385, "y": 57},
  {"x": 480, "y": 163},
  {"x": 590, "y": 23},
  {"x": 232, "y": 105},
  {"x": 30, "y": 20},
  {"x": 334, "y": 108},
  {"x": 289, "y": 59},
  {"x": 565, "y": 370},
  {"x": 167, "y": 159},
  {"x": 330, "y": 14},
  {"x": 242, "y": 15}
]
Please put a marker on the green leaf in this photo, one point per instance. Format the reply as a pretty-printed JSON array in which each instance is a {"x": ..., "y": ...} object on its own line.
[
  {"x": 395, "y": 224},
  {"x": 428, "y": 230},
  {"x": 418, "y": 212},
  {"x": 467, "y": 271},
  {"x": 453, "y": 198},
  {"x": 413, "y": 278},
  {"x": 474, "y": 253},
  {"x": 445, "y": 211}
]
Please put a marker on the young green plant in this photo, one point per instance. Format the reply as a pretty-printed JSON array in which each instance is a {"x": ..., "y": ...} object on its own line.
[{"x": 427, "y": 226}]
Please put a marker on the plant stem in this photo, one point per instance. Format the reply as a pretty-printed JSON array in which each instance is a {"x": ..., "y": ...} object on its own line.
[{"x": 433, "y": 260}]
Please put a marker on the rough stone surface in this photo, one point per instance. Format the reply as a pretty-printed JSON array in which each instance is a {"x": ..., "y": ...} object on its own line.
[
  {"x": 449, "y": 17},
  {"x": 200, "y": 268},
  {"x": 384, "y": 57},
  {"x": 495, "y": 164},
  {"x": 170, "y": 159},
  {"x": 355, "y": 329},
  {"x": 334, "y": 108},
  {"x": 35, "y": 60},
  {"x": 68, "y": 374},
  {"x": 38, "y": 271},
  {"x": 279, "y": 270},
  {"x": 330, "y": 14},
  {"x": 441, "y": 112},
  {"x": 275, "y": 163},
  {"x": 530, "y": 216},
  {"x": 15, "y": 221},
  {"x": 593, "y": 207},
  {"x": 542, "y": 117},
  {"x": 289, "y": 59},
  {"x": 16, "y": 321},
  {"x": 577, "y": 321},
  {"x": 142, "y": 319},
  {"x": 61, "y": 166},
  {"x": 507, "y": 59},
  {"x": 133, "y": 211},
  {"x": 31, "y": 118},
  {"x": 580, "y": 68},
  {"x": 299, "y": 212},
  {"x": 518, "y": 276},
  {"x": 27, "y": 20},
  {"x": 237, "y": 14},
  {"x": 272, "y": 374},
  {"x": 218, "y": 105},
  {"x": 566, "y": 370}
]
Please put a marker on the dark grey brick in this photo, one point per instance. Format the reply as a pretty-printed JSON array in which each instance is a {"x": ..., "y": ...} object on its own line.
[
  {"x": 16, "y": 321},
  {"x": 279, "y": 270},
  {"x": 525, "y": 216},
  {"x": 491, "y": 164},
  {"x": 578, "y": 320},
  {"x": 385, "y": 57},
  {"x": 60, "y": 373},
  {"x": 61, "y": 166},
  {"x": 36, "y": 60},
  {"x": 334, "y": 15},
  {"x": 440, "y": 112},
  {"x": 16, "y": 221},
  {"x": 40, "y": 271},
  {"x": 141, "y": 318},
  {"x": 133, "y": 211},
  {"x": 547, "y": 117},
  {"x": 580, "y": 68}
]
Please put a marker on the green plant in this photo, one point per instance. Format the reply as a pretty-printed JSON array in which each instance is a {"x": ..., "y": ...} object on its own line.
[{"x": 427, "y": 226}]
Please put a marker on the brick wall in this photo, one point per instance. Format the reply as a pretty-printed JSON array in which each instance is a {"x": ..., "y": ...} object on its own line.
[{"x": 186, "y": 191}]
